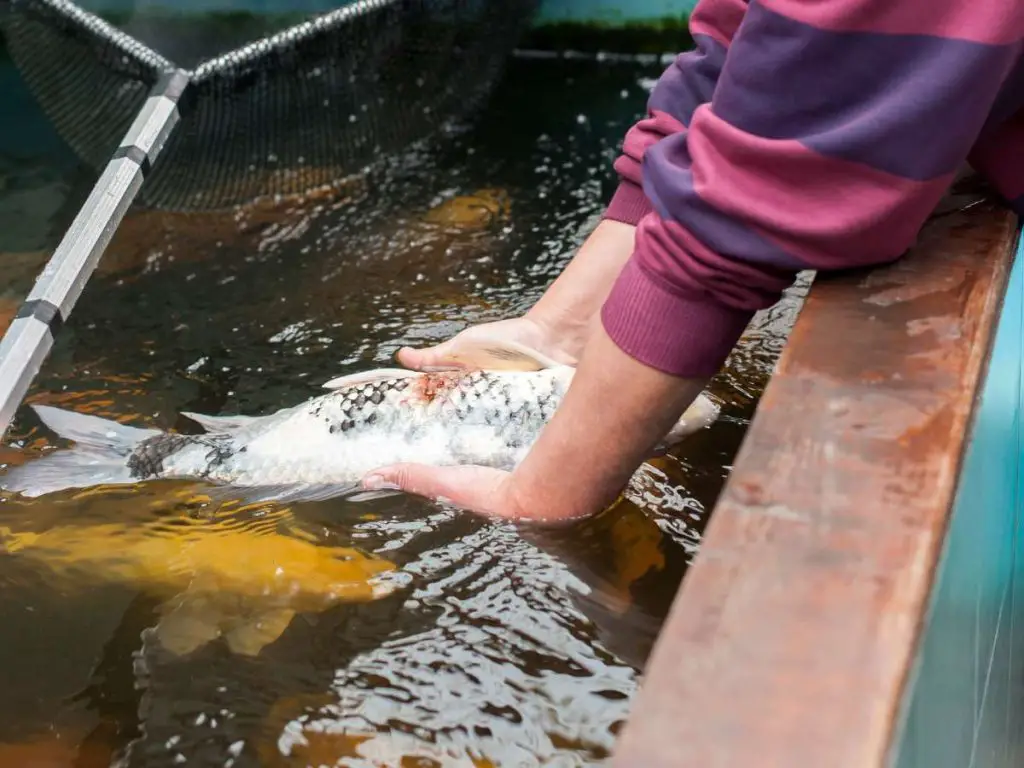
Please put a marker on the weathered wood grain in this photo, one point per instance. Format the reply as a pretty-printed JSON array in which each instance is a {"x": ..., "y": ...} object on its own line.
[{"x": 790, "y": 641}]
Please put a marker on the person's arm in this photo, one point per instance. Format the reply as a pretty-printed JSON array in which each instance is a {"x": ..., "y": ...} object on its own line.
[
  {"x": 688, "y": 83},
  {"x": 559, "y": 323},
  {"x": 834, "y": 130},
  {"x": 614, "y": 413}
]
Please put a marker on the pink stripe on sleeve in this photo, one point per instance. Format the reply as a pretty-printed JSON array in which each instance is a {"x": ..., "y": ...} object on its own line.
[
  {"x": 825, "y": 212},
  {"x": 718, "y": 19},
  {"x": 998, "y": 22}
]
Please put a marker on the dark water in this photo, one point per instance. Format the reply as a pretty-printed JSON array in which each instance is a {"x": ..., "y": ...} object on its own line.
[{"x": 500, "y": 648}]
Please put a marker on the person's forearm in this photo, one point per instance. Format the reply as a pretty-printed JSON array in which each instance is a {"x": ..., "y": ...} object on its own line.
[
  {"x": 614, "y": 414},
  {"x": 572, "y": 303}
]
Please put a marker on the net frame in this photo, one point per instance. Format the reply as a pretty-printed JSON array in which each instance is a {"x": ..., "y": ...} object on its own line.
[{"x": 129, "y": 112}]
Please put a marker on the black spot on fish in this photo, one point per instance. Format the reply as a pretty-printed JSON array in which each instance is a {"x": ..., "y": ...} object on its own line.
[{"x": 147, "y": 461}]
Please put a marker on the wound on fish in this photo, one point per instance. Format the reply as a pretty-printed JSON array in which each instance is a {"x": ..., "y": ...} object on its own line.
[{"x": 431, "y": 386}]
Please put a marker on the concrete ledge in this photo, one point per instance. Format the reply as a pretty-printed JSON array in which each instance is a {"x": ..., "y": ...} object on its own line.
[{"x": 791, "y": 639}]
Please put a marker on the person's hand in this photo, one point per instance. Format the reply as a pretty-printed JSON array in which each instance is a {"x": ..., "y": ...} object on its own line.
[
  {"x": 482, "y": 490},
  {"x": 527, "y": 331},
  {"x": 582, "y": 458},
  {"x": 560, "y": 323}
]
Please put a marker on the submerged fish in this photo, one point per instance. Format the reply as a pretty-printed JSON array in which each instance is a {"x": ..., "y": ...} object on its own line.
[
  {"x": 216, "y": 580},
  {"x": 488, "y": 413}
]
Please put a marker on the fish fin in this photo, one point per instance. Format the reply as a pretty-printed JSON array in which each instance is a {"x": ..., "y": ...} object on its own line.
[
  {"x": 186, "y": 625},
  {"x": 701, "y": 413},
  {"x": 250, "y": 637},
  {"x": 296, "y": 492},
  {"x": 367, "y": 377},
  {"x": 99, "y": 456},
  {"x": 91, "y": 431},
  {"x": 499, "y": 355},
  {"x": 219, "y": 423},
  {"x": 372, "y": 495}
]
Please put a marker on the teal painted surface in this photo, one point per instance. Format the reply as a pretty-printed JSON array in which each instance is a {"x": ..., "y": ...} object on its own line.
[
  {"x": 965, "y": 704},
  {"x": 612, "y": 12},
  {"x": 604, "y": 11}
]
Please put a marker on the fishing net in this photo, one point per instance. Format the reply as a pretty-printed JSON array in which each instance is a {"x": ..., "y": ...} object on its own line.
[
  {"x": 189, "y": 117},
  {"x": 292, "y": 110}
]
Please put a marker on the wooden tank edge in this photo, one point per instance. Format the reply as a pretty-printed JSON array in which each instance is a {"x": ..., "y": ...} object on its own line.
[{"x": 793, "y": 636}]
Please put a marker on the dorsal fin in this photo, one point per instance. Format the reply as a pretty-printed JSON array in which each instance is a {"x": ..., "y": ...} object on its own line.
[
  {"x": 219, "y": 423},
  {"x": 366, "y": 377}
]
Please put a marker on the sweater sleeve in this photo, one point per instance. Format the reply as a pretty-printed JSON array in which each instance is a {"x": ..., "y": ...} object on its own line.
[
  {"x": 999, "y": 157},
  {"x": 687, "y": 83},
  {"x": 833, "y": 131}
]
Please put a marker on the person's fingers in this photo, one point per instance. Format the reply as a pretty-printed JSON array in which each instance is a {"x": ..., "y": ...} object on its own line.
[
  {"x": 477, "y": 489},
  {"x": 428, "y": 358}
]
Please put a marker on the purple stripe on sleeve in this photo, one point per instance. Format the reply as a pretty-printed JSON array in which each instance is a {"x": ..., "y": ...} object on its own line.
[
  {"x": 670, "y": 186},
  {"x": 910, "y": 105},
  {"x": 1010, "y": 99},
  {"x": 690, "y": 80}
]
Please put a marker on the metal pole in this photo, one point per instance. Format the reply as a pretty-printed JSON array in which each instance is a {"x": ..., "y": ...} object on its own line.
[{"x": 31, "y": 335}]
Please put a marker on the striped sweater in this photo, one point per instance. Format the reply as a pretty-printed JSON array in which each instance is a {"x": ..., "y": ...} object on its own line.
[{"x": 803, "y": 134}]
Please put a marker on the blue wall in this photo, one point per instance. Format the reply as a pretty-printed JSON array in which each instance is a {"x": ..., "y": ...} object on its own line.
[{"x": 966, "y": 707}]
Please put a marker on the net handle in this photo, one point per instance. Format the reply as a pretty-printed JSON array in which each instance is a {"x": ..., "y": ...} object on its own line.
[{"x": 31, "y": 335}]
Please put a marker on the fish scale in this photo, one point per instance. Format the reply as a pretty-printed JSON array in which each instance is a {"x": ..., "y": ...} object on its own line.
[
  {"x": 479, "y": 417},
  {"x": 323, "y": 447}
]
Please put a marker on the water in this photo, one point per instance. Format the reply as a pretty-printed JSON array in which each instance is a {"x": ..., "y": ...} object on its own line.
[{"x": 501, "y": 647}]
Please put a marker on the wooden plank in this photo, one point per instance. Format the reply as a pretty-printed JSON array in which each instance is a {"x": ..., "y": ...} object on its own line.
[{"x": 790, "y": 641}]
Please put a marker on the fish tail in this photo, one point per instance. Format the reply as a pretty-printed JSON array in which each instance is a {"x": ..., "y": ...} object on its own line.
[{"x": 99, "y": 457}]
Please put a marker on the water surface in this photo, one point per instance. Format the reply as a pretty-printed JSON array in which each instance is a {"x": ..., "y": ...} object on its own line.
[{"x": 499, "y": 647}]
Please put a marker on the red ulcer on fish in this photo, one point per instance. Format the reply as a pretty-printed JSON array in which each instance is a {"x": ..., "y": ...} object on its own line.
[{"x": 431, "y": 386}]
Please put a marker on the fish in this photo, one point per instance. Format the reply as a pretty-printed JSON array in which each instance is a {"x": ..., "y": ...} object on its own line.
[
  {"x": 215, "y": 579},
  {"x": 488, "y": 409}
]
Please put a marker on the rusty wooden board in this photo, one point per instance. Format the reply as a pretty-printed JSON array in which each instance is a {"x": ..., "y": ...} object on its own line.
[{"x": 790, "y": 641}]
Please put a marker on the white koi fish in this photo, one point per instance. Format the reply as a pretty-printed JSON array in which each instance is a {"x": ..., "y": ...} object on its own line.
[{"x": 490, "y": 412}]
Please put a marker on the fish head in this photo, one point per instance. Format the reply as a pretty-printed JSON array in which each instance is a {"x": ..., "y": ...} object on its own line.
[
  {"x": 282, "y": 570},
  {"x": 348, "y": 575},
  {"x": 324, "y": 576}
]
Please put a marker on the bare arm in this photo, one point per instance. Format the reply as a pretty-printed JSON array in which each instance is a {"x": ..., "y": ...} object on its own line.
[
  {"x": 615, "y": 412},
  {"x": 559, "y": 322}
]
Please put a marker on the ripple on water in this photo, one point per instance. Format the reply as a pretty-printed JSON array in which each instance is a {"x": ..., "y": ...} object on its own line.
[
  {"x": 508, "y": 672},
  {"x": 494, "y": 646}
]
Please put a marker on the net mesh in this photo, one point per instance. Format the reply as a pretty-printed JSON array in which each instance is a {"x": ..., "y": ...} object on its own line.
[{"x": 288, "y": 112}]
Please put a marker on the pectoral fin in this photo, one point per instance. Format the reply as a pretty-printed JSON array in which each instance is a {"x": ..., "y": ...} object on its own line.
[
  {"x": 251, "y": 636},
  {"x": 701, "y": 413},
  {"x": 257, "y": 494},
  {"x": 188, "y": 623}
]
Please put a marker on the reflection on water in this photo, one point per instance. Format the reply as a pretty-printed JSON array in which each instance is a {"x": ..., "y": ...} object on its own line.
[{"x": 146, "y": 626}]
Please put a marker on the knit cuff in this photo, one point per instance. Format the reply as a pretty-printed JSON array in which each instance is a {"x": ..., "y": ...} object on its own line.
[
  {"x": 629, "y": 204},
  {"x": 675, "y": 334}
]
